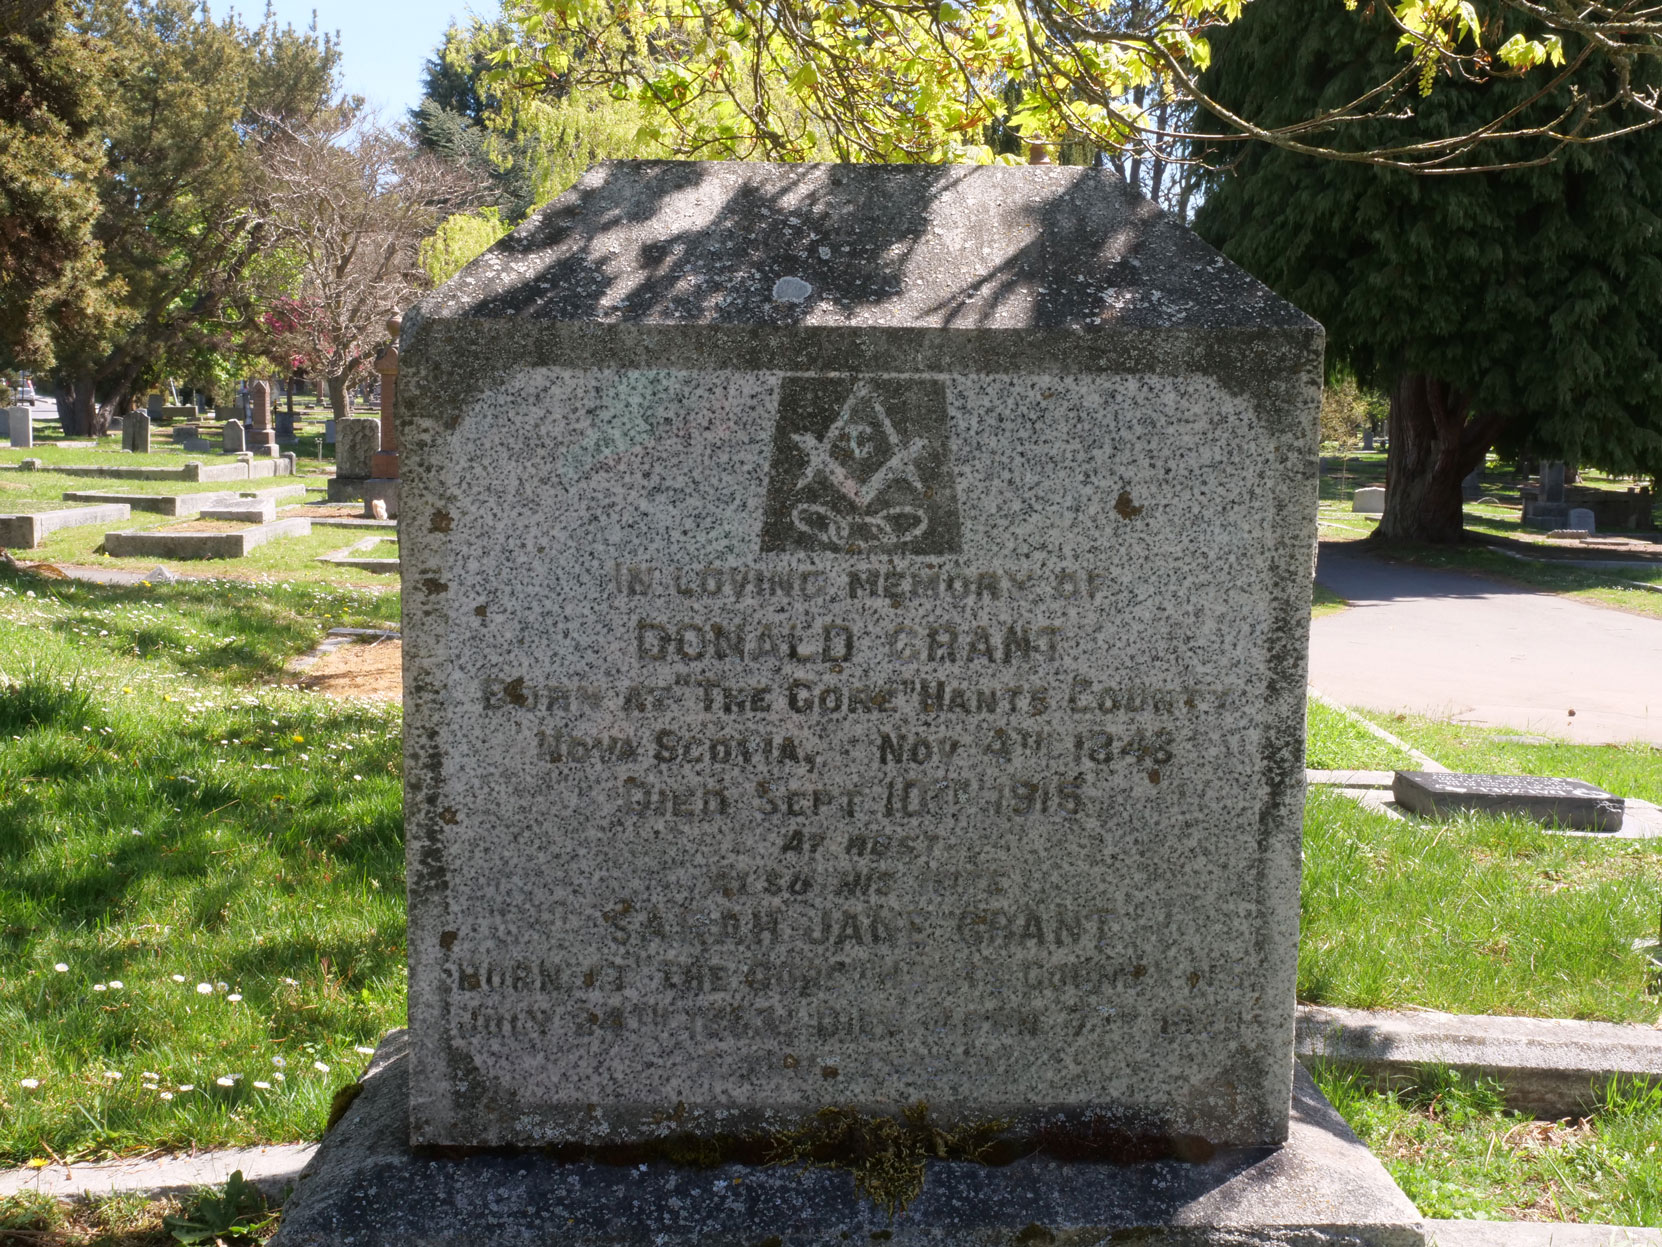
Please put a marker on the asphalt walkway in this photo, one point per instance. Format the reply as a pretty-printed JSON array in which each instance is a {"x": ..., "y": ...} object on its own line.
[{"x": 1456, "y": 646}]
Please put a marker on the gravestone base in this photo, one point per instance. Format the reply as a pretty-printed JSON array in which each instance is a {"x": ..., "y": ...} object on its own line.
[
  {"x": 345, "y": 488},
  {"x": 366, "y": 1187},
  {"x": 377, "y": 489}
]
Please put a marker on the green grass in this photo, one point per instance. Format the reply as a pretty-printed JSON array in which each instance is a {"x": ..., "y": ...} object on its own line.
[
  {"x": 1458, "y": 1154},
  {"x": 1323, "y": 601},
  {"x": 1473, "y": 915},
  {"x": 170, "y": 824},
  {"x": 290, "y": 558},
  {"x": 1335, "y": 742},
  {"x": 1631, "y": 770}
]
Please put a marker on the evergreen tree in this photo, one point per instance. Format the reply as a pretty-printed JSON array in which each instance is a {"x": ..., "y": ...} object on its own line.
[
  {"x": 51, "y": 95},
  {"x": 1523, "y": 297}
]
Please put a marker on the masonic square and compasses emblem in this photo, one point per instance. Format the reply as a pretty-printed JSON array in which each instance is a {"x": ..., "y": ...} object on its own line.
[{"x": 861, "y": 465}]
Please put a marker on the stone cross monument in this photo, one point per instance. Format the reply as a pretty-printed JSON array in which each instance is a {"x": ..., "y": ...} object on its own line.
[{"x": 834, "y": 693}]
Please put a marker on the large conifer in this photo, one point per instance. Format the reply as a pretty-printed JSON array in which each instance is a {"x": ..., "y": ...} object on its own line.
[{"x": 1524, "y": 299}]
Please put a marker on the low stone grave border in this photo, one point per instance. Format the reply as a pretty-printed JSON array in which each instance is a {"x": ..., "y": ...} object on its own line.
[
  {"x": 1547, "y": 1067},
  {"x": 346, "y": 556},
  {"x": 186, "y": 504},
  {"x": 151, "y": 543},
  {"x": 248, "y": 469},
  {"x": 25, "y": 532}
]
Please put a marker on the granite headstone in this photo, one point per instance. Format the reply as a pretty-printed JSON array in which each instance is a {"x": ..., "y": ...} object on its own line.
[
  {"x": 831, "y": 682},
  {"x": 1582, "y": 519},
  {"x": 233, "y": 438},
  {"x": 806, "y": 695}
]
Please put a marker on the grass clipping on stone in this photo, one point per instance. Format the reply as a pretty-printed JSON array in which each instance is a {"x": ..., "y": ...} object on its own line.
[{"x": 886, "y": 1155}]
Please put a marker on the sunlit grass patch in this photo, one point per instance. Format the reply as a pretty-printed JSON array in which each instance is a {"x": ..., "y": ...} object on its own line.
[{"x": 1473, "y": 915}]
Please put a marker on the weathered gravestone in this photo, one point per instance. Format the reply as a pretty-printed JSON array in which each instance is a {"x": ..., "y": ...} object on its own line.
[
  {"x": 20, "y": 427},
  {"x": 262, "y": 439},
  {"x": 1582, "y": 519},
  {"x": 1369, "y": 500},
  {"x": 135, "y": 433},
  {"x": 233, "y": 438},
  {"x": 357, "y": 440},
  {"x": 1553, "y": 802},
  {"x": 831, "y": 686}
]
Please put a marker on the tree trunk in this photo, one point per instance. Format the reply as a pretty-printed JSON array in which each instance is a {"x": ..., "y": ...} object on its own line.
[
  {"x": 78, "y": 404},
  {"x": 337, "y": 396},
  {"x": 1434, "y": 445}
]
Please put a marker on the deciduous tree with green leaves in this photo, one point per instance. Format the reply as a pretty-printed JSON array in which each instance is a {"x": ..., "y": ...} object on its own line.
[
  {"x": 899, "y": 80},
  {"x": 1527, "y": 297}
]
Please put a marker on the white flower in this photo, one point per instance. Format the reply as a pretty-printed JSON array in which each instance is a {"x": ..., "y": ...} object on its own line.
[
  {"x": 219, "y": 987},
  {"x": 280, "y": 1076},
  {"x": 320, "y": 1067},
  {"x": 358, "y": 777},
  {"x": 226, "y": 1081},
  {"x": 30, "y": 1083},
  {"x": 292, "y": 982},
  {"x": 167, "y": 1095},
  {"x": 98, "y": 987},
  {"x": 112, "y": 1075},
  {"x": 187, "y": 1086},
  {"x": 150, "y": 1075},
  {"x": 279, "y": 1062},
  {"x": 116, "y": 985},
  {"x": 61, "y": 968},
  {"x": 178, "y": 978},
  {"x": 234, "y": 997},
  {"x": 363, "y": 1051},
  {"x": 204, "y": 989},
  {"x": 263, "y": 1086}
]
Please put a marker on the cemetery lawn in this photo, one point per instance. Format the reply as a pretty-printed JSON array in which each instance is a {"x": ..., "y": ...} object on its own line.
[
  {"x": 1631, "y": 770},
  {"x": 201, "y": 872},
  {"x": 1335, "y": 742},
  {"x": 1473, "y": 915},
  {"x": 1457, "y": 1153}
]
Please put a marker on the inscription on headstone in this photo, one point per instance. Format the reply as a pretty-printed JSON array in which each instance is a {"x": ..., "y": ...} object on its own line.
[
  {"x": 839, "y": 700},
  {"x": 1564, "y": 802}
]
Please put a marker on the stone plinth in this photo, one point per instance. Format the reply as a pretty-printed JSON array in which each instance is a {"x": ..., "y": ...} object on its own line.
[
  {"x": 366, "y": 1188},
  {"x": 25, "y": 532},
  {"x": 832, "y": 679}
]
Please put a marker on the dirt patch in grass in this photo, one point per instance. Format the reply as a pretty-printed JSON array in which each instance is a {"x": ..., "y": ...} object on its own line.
[
  {"x": 374, "y": 670},
  {"x": 204, "y": 526}
]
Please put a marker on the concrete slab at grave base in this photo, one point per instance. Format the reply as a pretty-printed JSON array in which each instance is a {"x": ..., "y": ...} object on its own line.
[
  {"x": 160, "y": 544},
  {"x": 186, "y": 504},
  {"x": 366, "y": 1188},
  {"x": 25, "y": 532}
]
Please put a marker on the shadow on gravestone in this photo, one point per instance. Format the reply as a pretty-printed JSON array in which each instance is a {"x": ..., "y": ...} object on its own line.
[{"x": 768, "y": 514}]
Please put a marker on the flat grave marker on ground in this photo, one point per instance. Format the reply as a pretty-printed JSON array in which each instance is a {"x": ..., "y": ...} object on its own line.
[{"x": 1561, "y": 802}]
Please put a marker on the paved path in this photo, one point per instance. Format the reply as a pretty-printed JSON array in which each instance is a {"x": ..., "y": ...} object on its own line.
[
  {"x": 1457, "y": 646},
  {"x": 273, "y": 1168}
]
